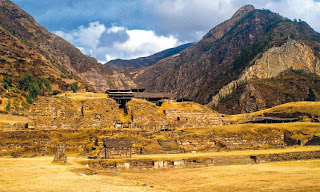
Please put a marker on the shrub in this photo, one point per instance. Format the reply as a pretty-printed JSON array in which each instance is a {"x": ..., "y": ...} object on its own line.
[
  {"x": 74, "y": 87},
  {"x": 44, "y": 85},
  {"x": 34, "y": 90},
  {"x": 7, "y": 82},
  {"x": 29, "y": 99},
  {"x": 8, "y": 107},
  {"x": 26, "y": 82}
]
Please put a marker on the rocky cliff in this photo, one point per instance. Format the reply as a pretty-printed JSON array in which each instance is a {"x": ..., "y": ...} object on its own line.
[
  {"x": 292, "y": 55},
  {"x": 258, "y": 94}
]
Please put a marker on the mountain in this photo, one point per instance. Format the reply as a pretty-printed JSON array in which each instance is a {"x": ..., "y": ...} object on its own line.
[
  {"x": 254, "y": 44},
  {"x": 124, "y": 65},
  {"x": 27, "y": 47}
]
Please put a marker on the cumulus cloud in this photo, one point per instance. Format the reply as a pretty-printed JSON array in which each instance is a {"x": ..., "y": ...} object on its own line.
[
  {"x": 191, "y": 17},
  {"x": 161, "y": 23},
  {"x": 307, "y": 10},
  {"x": 117, "y": 41}
]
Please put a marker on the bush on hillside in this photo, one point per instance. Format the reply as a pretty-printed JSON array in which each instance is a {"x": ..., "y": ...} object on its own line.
[
  {"x": 34, "y": 88},
  {"x": 7, "y": 82},
  {"x": 74, "y": 87}
]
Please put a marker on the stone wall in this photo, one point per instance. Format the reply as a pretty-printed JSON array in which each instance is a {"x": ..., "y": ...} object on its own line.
[
  {"x": 13, "y": 126},
  {"x": 147, "y": 115},
  {"x": 181, "y": 119},
  {"x": 200, "y": 162},
  {"x": 67, "y": 113},
  {"x": 216, "y": 142},
  {"x": 74, "y": 113}
]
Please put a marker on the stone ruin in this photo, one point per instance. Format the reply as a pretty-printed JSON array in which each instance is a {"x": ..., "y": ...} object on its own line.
[
  {"x": 60, "y": 155},
  {"x": 70, "y": 113}
]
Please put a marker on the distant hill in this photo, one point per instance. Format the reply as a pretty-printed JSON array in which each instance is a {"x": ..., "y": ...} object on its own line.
[
  {"x": 254, "y": 44},
  {"x": 123, "y": 65}
]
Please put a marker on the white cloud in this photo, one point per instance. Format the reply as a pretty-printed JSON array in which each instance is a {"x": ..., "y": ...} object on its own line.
[
  {"x": 142, "y": 43},
  {"x": 64, "y": 35},
  {"x": 190, "y": 17},
  {"x": 171, "y": 22},
  {"x": 117, "y": 41},
  {"x": 85, "y": 38},
  {"x": 115, "y": 29},
  {"x": 307, "y": 10},
  {"x": 90, "y": 35}
]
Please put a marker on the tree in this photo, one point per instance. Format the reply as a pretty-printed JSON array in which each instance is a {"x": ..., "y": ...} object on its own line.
[
  {"x": 44, "y": 85},
  {"x": 74, "y": 87},
  {"x": 34, "y": 90},
  {"x": 29, "y": 99},
  {"x": 8, "y": 107},
  {"x": 26, "y": 82},
  {"x": 7, "y": 82}
]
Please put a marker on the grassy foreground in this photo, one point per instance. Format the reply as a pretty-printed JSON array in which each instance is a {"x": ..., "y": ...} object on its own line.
[{"x": 38, "y": 174}]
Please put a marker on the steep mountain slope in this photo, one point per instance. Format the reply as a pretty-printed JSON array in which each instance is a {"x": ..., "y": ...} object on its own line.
[
  {"x": 292, "y": 55},
  {"x": 258, "y": 94},
  {"x": 125, "y": 65},
  {"x": 200, "y": 71},
  {"x": 28, "y": 47}
]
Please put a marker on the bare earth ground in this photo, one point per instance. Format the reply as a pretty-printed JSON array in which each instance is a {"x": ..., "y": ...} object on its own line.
[{"x": 39, "y": 174}]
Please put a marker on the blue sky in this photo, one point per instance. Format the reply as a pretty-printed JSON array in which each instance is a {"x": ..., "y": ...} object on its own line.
[{"x": 109, "y": 29}]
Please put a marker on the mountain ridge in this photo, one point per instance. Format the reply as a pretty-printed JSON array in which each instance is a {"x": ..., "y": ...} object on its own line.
[
  {"x": 67, "y": 61},
  {"x": 200, "y": 71},
  {"x": 125, "y": 65}
]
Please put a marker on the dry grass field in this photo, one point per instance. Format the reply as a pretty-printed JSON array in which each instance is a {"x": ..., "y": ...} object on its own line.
[
  {"x": 13, "y": 119},
  {"x": 39, "y": 174},
  {"x": 305, "y": 107}
]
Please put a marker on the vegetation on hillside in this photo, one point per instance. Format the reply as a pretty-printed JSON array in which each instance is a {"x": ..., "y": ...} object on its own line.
[
  {"x": 22, "y": 91},
  {"x": 74, "y": 87}
]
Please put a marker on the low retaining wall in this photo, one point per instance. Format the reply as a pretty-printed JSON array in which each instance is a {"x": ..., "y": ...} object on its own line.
[{"x": 201, "y": 162}]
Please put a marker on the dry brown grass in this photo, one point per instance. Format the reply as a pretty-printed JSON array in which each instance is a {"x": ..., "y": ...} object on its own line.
[
  {"x": 187, "y": 106},
  {"x": 282, "y": 176},
  {"x": 307, "y": 107},
  {"x": 306, "y": 127},
  {"x": 83, "y": 96},
  {"x": 13, "y": 119},
  {"x": 38, "y": 174}
]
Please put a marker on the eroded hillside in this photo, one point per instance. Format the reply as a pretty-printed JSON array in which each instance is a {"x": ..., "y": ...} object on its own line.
[{"x": 28, "y": 47}]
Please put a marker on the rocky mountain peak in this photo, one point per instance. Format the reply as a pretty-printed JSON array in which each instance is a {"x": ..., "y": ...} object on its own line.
[
  {"x": 227, "y": 50},
  {"x": 243, "y": 11}
]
